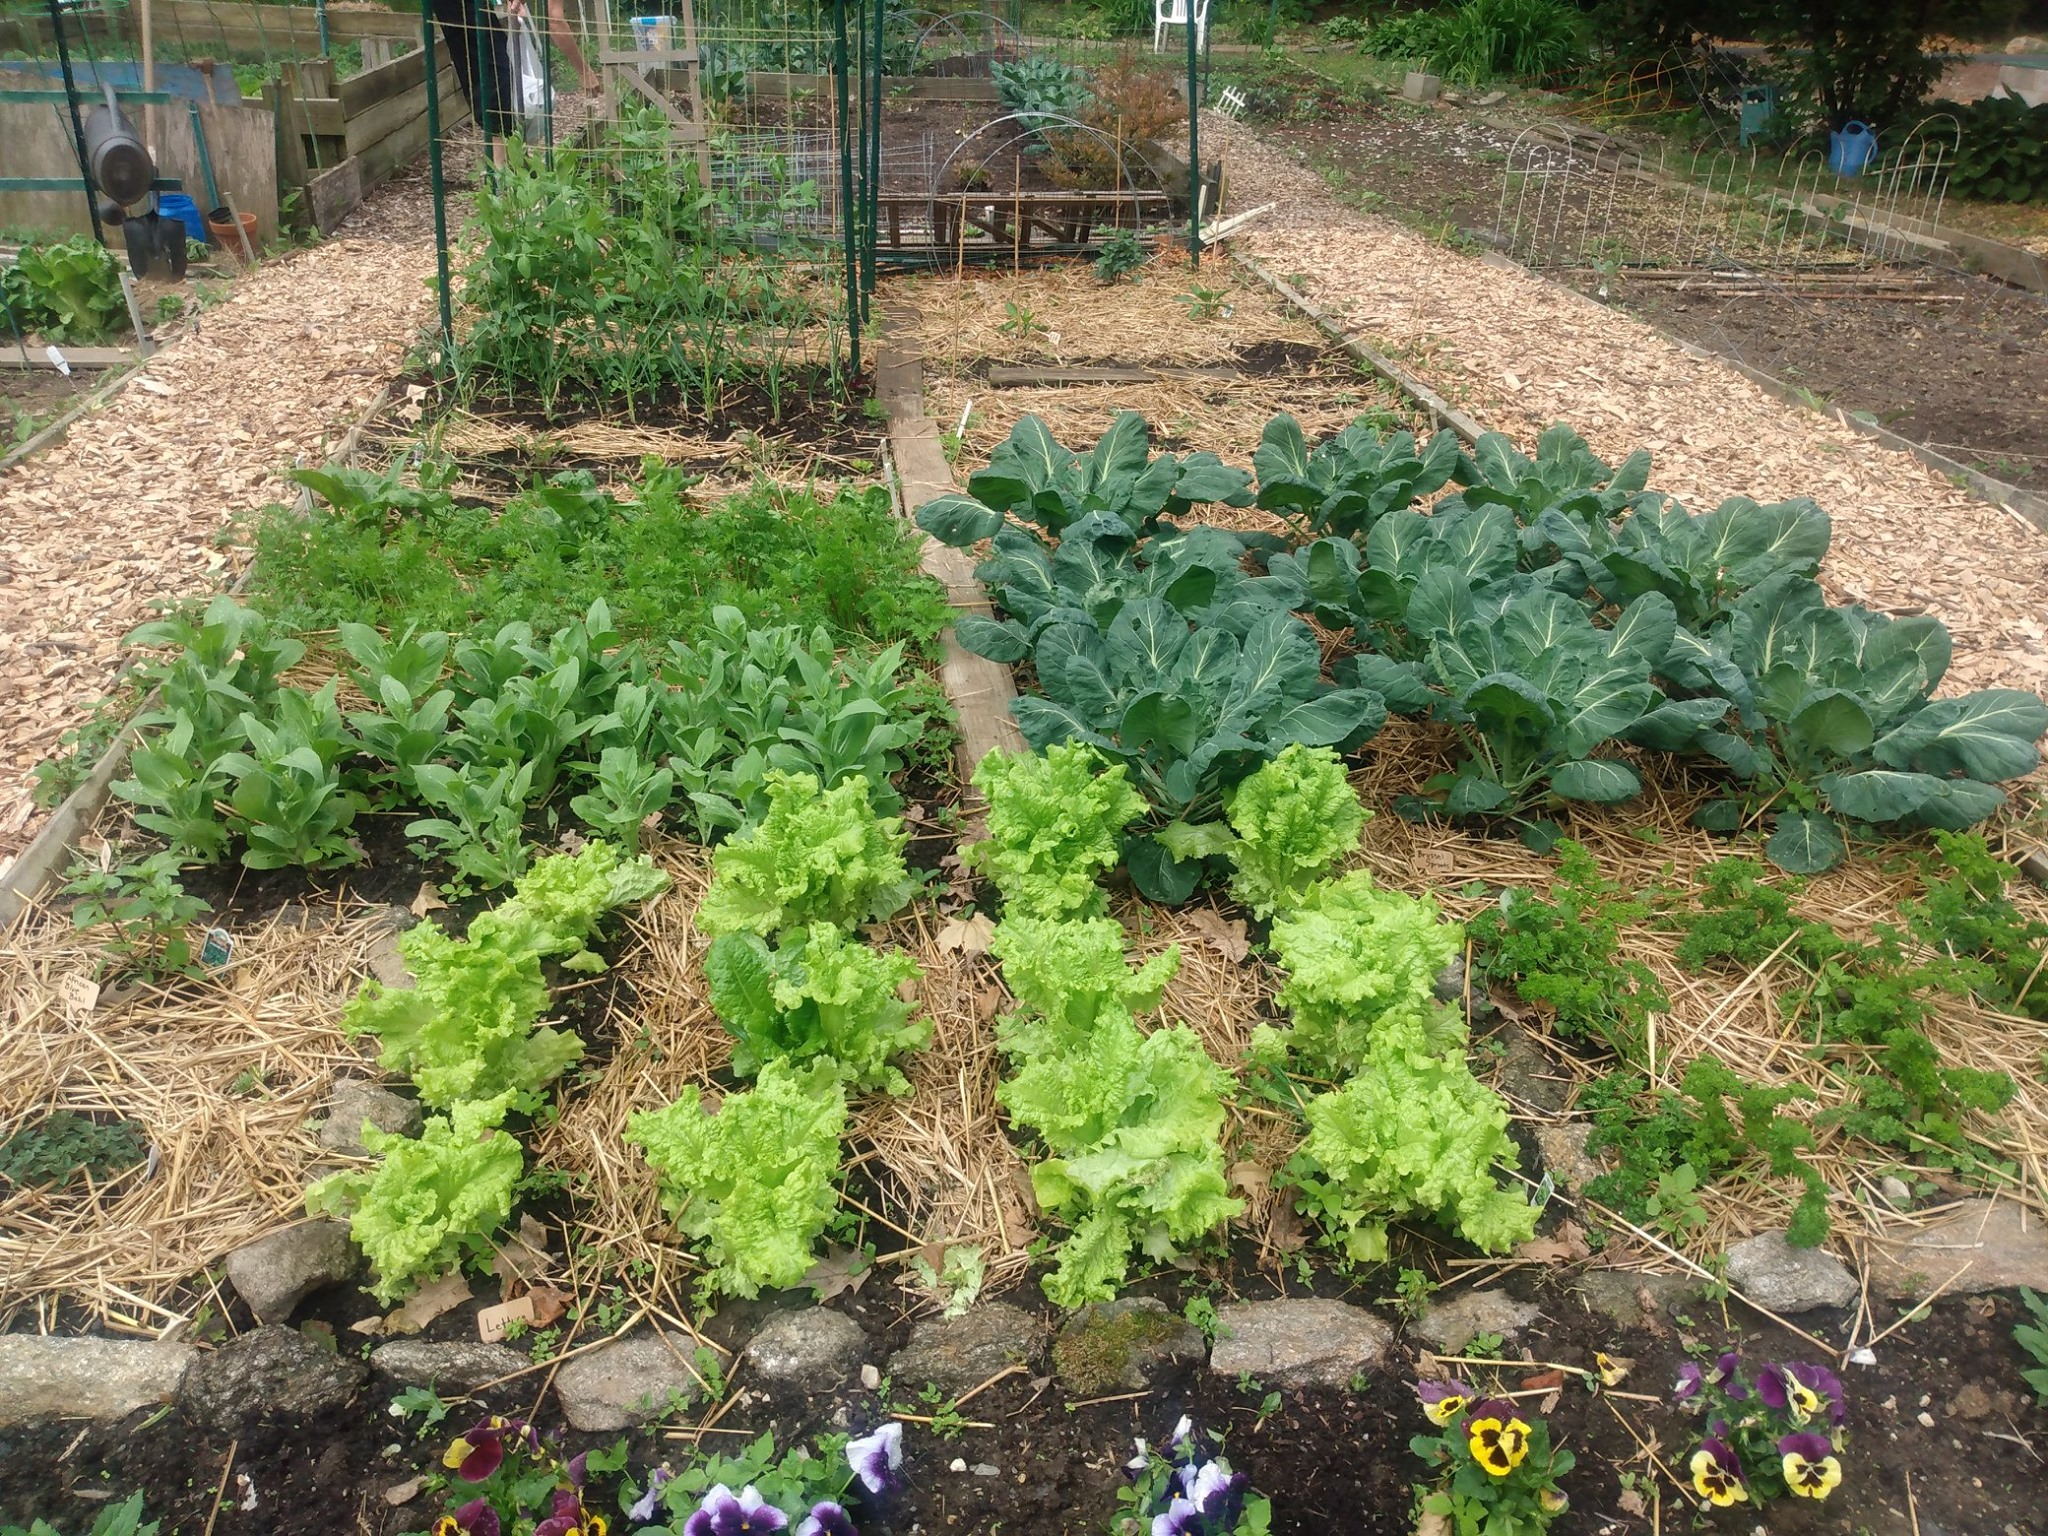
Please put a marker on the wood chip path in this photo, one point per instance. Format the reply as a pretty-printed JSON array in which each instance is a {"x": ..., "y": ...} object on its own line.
[
  {"x": 124, "y": 513},
  {"x": 1518, "y": 354}
]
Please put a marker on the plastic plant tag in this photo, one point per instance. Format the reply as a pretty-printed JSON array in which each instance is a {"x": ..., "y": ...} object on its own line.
[
  {"x": 58, "y": 361},
  {"x": 218, "y": 948}
]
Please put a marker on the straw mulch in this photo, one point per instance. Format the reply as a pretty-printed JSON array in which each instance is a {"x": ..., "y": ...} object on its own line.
[
  {"x": 1265, "y": 358},
  {"x": 1736, "y": 1018},
  {"x": 937, "y": 1157},
  {"x": 220, "y": 1075}
]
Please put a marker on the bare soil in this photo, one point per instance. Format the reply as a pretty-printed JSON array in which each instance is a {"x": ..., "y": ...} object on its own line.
[{"x": 1958, "y": 371}]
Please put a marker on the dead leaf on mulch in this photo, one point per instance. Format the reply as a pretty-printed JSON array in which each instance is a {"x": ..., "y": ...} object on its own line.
[
  {"x": 840, "y": 1271},
  {"x": 967, "y": 935},
  {"x": 426, "y": 1304},
  {"x": 1226, "y": 938},
  {"x": 1563, "y": 1246},
  {"x": 428, "y": 900},
  {"x": 550, "y": 1304}
]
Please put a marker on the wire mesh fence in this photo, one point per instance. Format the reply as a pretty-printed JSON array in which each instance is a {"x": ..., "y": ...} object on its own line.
[{"x": 654, "y": 202}]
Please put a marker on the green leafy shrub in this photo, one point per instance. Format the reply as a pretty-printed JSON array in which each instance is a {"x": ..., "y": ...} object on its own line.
[
  {"x": 1410, "y": 1132},
  {"x": 52, "y": 1152},
  {"x": 69, "y": 293},
  {"x": 816, "y": 994},
  {"x": 1294, "y": 820},
  {"x": 467, "y": 1028},
  {"x": 1055, "y": 822},
  {"x": 816, "y": 856},
  {"x": 1564, "y": 953},
  {"x": 1965, "y": 913},
  {"x": 433, "y": 1202},
  {"x": 1744, "y": 919},
  {"x": 2003, "y": 153},
  {"x": 751, "y": 1182},
  {"x": 1360, "y": 962},
  {"x": 1691, "y": 1131},
  {"x": 1041, "y": 85},
  {"x": 379, "y": 553}
]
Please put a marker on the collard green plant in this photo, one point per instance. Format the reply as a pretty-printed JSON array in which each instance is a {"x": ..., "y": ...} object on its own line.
[
  {"x": 433, "y": 1202},
  {"x": 288, "y": 800},
  {"x": 626, "y": 791},
  {"x": 1838, "y": 722},
  {"x": 1055, "y": 823},
  {"x": 1533, "y": 689},
  {"x": 816, "y": 994},
  {"x": 1031, "y": 480},
  {"x": 481, "y": 828},
  {"x": 1345, "y": 484},
  {"x": 1041, "y": 85},
  {"x": 1564, "y": 476},
  {"x": 2002, "y": 154},
  {"x": 817, "y": 856},
  {"x": 751, "y": 1182}
]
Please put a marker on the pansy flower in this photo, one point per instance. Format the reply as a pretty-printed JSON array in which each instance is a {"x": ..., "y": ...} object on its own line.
[
  {"x": 1209, "y": 1503},
  {"x": 1812, "y": 1470},
  {"x": 876, "y": 1458},
  {"x": 644, "y": 1507},
  {"x": 1716, "y": 1474},
  {"x": 1726, "y": 1374},
  {"x": 1443, "y": 1401},
  {"x": 570, "y": 1518},
  {"x": 827, "y": 1519},
  {"x": 476, "y": 1518},
  {"x": 1552, "y": 1500},
  {"x": 480, "y": 1450},
  {"x": 1691, "y": 1380},
  {"x": 725, "y": 1513},
  {"x": 1497, "y": 1438},
  {"x": 1802, "y": 1391}
]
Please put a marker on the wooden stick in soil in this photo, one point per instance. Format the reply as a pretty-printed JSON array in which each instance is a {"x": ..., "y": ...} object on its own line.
[
  {"x": 973, "y": 1392},
  {"x": 221, "y": 1489},
  {"x": 925, "y": 1418},
  {"x": 541, "y": 1365}
]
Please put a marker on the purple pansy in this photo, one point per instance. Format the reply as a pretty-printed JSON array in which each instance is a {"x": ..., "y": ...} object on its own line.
[
  {"x": 476, "y": 1518},
  {"x": 875, "y": 1458},
  {"x": 1209, "y": 1503},
  {"x": 648, "y": 1502},
  {"x": 1812, "y": 1470},
  {"x": 1716, "y": 1473},
  {"x": 1801, "y": 1391},
  {"x": 569, "y": 1517},
  {"x": 1691, "y": 1380},
  {"x": 725, "y": 1513},
  {"x": 1443, "y": 1401},
  {"x": 481, "y": 1449},
  {"x": 827, "y": 1519}
]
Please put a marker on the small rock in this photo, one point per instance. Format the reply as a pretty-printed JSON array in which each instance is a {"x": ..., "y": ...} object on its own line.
[
  {"x": 624, "y": 1384},
  {"x": 1528, "y": 1074},
  {"x": 870, "y": 1377},
  {"x": 1563, "y": 1146},
  {"x": 1305, "y": 1343},
  {"x": 273, "y": 1371},
  {"x": 275, "y": 1273},
  {"x": 1448, "y": 1326},
  {"x": 1617, "y": 1295},
  {"x": 1450, "y": 982},
  {"x": 956, "y": 1353},
  {"x": 986, "y": 1469},
  {"x": 355, "y": 1101},
  {"x": 461, "y": 1366},
  {"x": 1491, "y": 99},
  {"x": 1925, "y": 1419},
  {"x": 57, "y": 1378},
  {"x": 813, "y": 1349},
  {"x": 958, "y": 1464},
  {"x": 1132, "y": 1344},
  {"x": 1987, "y": 1240},
  {"x": 1788, "y": 1280},
  {"x": 1897, "y": 1193},
  {"x": 1971, "y": 1402}
]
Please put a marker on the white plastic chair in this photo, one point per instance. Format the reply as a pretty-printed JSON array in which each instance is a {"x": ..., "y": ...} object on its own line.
[{"x": 1174, "y": 13}]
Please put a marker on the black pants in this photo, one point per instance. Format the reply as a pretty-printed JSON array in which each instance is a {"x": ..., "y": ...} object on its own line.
[{"x": 475, "y": 36}]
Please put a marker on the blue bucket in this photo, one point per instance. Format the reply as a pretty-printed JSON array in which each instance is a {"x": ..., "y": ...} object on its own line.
[
  {"x": 1851, "y": 148},
  {"x": 176, "y": 205}
]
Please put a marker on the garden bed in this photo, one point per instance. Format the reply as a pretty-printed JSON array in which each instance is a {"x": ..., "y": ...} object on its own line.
[{"x": 1428, "y": 932}]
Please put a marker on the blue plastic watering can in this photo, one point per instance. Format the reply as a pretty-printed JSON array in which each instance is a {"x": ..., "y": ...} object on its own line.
[{"x": 1851, "y": 149}]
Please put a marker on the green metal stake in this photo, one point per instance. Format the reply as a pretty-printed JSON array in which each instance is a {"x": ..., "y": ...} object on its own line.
[
  {"x": 440, "y": 187},
  {"x": 92, "y": 203},
  {"x": 327, "y": 43},
  {"x": 547, "y": 79},
  {"x": 847, "y": 215},
  {"x": 872, "y": 234},
  {"x": 1194, "y": 151}
]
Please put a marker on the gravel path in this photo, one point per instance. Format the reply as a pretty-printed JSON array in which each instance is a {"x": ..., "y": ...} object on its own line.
[
  {"x": 1519, "y": 354},
  {"x": 125, "y": 513}
]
